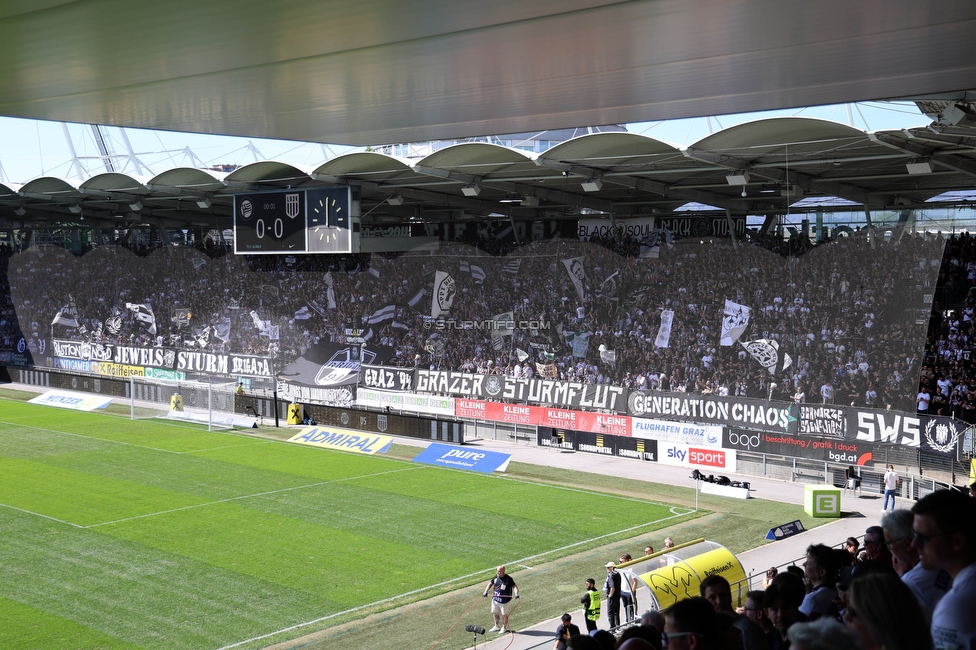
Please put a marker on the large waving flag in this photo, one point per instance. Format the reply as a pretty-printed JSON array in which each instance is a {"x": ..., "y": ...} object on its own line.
[
  {"x": 734, "y": 322},
  {"x": 663, "y": 339},
  {"x": 144, "y": 314},
  {"x": 577, "y": 273},
  {"x": 444, "y": 291}
]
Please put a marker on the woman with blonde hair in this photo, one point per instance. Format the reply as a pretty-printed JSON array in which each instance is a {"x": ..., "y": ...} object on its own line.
[{"x": 885, "y": 614}]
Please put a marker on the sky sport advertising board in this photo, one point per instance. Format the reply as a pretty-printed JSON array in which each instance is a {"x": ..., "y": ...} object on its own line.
[{"x": 708, "y": 460}]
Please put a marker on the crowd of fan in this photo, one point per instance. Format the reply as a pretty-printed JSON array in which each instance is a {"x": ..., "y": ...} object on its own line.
[
  {"x": 844, "y": 312},
  {"x": 912, "y": 587}
]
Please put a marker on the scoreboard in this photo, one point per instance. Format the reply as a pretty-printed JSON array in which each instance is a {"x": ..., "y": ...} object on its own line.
[{"x": 295, "y": 221}]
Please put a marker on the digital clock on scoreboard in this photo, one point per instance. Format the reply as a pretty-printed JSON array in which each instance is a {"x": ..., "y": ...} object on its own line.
[{"x": 270, "y": 222}]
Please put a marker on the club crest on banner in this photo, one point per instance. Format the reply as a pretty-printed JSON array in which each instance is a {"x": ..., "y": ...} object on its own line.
[{"x": 942, "y": 435}]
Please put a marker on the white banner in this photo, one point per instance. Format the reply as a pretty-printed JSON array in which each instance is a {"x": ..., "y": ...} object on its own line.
[
  {"x": 663, "y": 339},
  {"x": 734, "y": 322},
  {"x": 429, "y": 404},
  {"x": 73, "y": 401},
  {"x": 577, "y": 273},
  {"x": 444, "y": 291},
  {"x": 698, "y": 435}
]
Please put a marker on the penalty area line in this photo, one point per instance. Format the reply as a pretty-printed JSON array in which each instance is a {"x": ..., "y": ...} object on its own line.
[
  {"x": 38, "y": 514},
  {"x": 519, "y": 562}
]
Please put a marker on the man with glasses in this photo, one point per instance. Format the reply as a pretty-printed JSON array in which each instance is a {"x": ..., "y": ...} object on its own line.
[
  {"x": 875, "y": 548},
  {"x": 944, "y": 535},
  {"x": 690, "y": 624},
  {"x": 928, "y": 585}
]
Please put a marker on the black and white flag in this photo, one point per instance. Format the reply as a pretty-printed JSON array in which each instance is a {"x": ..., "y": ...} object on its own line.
[
  {"x": 577, "y": 273},
  {"x": 113, "y": 324},
  {"x": 512, "y": 266},
  {"x": 444, "y": 292},
  {"x": 734, "y": 322},
  {"x": 382, "y": 315},
  {"x": 663, "y": 339},
  {"x": 66, "y": 316},
  {"x": 766, "y": 352},
  {"x": 608, "y": 288},
  {"x": 144, "y": 314}
]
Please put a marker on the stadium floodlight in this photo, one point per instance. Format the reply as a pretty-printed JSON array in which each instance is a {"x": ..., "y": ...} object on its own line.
[
  {"x": 920, "y": 167},
  {"x": 592, "y": 185},
  {"x": 204, "y": 203},
  {"x": 471, "y": 190},
  {"x": 530, "y": 201},
  {"x": 740, "y": 177},
  {"x": 74, "y": 209},
  {"x": 135, "y": 206},
  {"x": 20, "y": 211},
  {"x": 396, "y": 199}
]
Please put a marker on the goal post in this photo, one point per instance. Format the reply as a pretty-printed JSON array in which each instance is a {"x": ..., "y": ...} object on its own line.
[{"x": 188, "y": 401}]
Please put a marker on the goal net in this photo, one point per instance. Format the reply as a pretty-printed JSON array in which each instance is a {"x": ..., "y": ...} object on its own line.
[{"x": 188, "y": 401}]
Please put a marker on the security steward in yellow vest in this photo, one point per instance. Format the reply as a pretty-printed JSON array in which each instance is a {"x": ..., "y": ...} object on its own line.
[{"x": 591, "y": 605}]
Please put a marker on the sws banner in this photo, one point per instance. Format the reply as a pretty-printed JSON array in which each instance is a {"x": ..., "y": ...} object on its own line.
[
  {"x": 475, "y": 460},
  {"x": 539, "y": 391},
  {"x": 762, "y": 415},
  {"x": 931, "y": 433}
]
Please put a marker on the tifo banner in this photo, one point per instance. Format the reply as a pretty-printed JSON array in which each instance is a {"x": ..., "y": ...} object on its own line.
[
  {"x": 931, "y": 433},
  {"x": 475, "y": 460},
  {"x": 337, "y": 396},
  {"x": 343, "y": 440},
  {"x": 701, "y": 435},
  {"x": 705, "y": 458},
  {"x": 512, "y": 389},
  {"x": 429, "y": 404},
  {"x": 711, "y": 409},
  {"x": 73, "y": 401}
]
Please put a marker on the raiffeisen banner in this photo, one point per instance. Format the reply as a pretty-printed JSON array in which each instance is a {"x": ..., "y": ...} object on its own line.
[
  {"x": 360, "y": 442},
  {"x": 475, "y": 460}
]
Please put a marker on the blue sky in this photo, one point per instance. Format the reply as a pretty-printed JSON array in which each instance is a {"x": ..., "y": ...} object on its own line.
[{"x": 32, "y": 148}]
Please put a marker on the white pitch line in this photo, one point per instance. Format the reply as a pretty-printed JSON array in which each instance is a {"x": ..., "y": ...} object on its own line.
[
  {"x": 37, "y": 514},
  {"x": 247, "y": 496},
  {"x": 519, "y": 562}
]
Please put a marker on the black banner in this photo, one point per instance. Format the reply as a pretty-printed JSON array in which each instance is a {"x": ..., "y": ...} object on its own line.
[
  {"x": 762, "y": 415},
  {"x": 596, "y": 443},
  {"x": 167, "y": 358},
  {"x": 388, "y": 423},
  {"x": 847, "y": 452},
  {"x": 936, "y": 434},
  {"x": 396, "y": 379},
  {"x": 546, "y": 392}
]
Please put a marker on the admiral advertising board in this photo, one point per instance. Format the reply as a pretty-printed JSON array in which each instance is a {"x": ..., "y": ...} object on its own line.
[{"x": 762, "y": 415}]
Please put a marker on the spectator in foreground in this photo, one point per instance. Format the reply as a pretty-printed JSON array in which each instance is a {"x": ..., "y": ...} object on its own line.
[
  {"x": 691, "y": 624},
  {"x": 885, "y": 614},
  {"x": 928, "y": 585},
  {"x": 717, "y": 591},
  {"x": 944, "y": 534},
  {"x": 823, "y": 634},
  {"x": 782, "y": 603},
  {"x": 565, "y": 630},
  {"x": 820, "y": 569}
]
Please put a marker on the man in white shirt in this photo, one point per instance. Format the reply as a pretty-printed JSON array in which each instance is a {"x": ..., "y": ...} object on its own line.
[
  {"x": 944, "y": 534},
  {"x": 923, "y": 400},
  {"x": 890, "y": 485}
]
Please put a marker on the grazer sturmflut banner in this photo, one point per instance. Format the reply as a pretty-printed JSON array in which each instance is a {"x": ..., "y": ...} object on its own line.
[
  {"x": 762, "y": 415},
  {"x": 511, "y": 389},
  {"x": 183, "y": 360}
]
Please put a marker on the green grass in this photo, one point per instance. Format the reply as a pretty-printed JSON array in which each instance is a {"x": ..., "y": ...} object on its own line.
[{"x": 139, "y": 534}]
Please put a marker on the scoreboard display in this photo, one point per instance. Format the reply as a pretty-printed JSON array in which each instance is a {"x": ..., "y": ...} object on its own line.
[{"x": 294, "y": 221}]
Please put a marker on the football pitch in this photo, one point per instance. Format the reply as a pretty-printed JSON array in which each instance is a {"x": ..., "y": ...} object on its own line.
[{"x": 150, "y": 534}]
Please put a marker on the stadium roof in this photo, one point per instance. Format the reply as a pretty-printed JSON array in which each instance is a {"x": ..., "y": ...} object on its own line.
[
  {"x": 356, "y": 72},
  {"x": 781, "y": 161}
]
